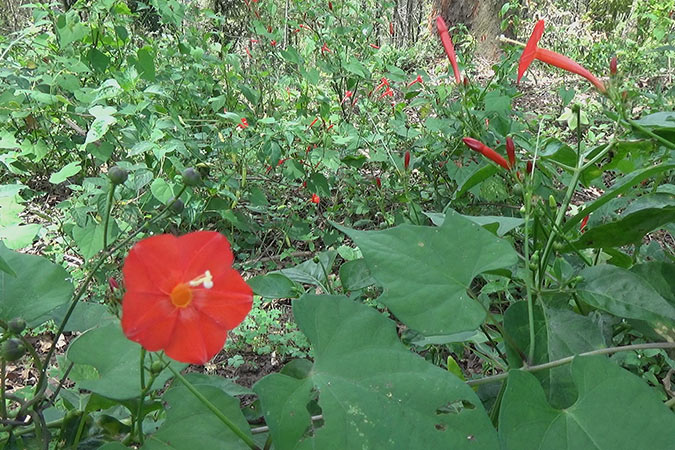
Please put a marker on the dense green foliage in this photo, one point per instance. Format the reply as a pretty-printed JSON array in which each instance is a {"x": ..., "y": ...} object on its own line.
[{"x": 331, "y": 156}]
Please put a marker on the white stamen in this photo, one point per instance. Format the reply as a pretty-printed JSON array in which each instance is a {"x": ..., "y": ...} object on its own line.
[{"x": 206, "y": 280}]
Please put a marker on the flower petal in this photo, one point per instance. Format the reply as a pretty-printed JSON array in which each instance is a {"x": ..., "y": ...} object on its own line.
[
  {"x": 195, "y": 338},
  {"x": 202, "y": 251},
  {"x": 528, "y": 54},
  {"x": 148, "y": 319},
  {"x": 152, "y": 265},
  {"x": 568, "y": 64},
  {"x": 228, "y": 302}
]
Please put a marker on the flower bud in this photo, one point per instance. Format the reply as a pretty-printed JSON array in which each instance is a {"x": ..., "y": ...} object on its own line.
[
  {"x": 117, "y": 175},
  {"x": 176, "y": 205},
  {"x": 16, "y": 325},
  {"x": 466, "y": 81},
  {"x": 156, "y": 367},
  {"x": 191, "y": 177},
  {"x": 378, "y": 182},
  {"x": 406, "y": 160},
  {"x": 530, "y": 167},
  {"x": 613, "y": 66},
  {"x": 551, "y": 202},
  {"x": 511, "y": 151},
  {"x": 12, "y": 349}
]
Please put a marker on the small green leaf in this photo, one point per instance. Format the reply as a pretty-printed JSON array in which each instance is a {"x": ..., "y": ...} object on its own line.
[
  {"x": 145, "y": 63},
  {"x": 66, "y": 171},
  {"x": 273, "y": 285}
]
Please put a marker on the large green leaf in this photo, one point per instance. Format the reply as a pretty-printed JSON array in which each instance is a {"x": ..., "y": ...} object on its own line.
[
  {"x": 660, "y": 276},
  {"x": 558, "y": 333},
  {"x": 621, "y": 186},
  {"x": 189, "y": 424},
  {"x": 623, "y": 294},
  {"x": 38, "y": 287},
  {"x": 116, "y": 363},
  {"x": 645, "y": 214},
  {"x": 615, "y": 410},
  {"x": 426, "y": 271},
  {"x": 373, "y": 392}
]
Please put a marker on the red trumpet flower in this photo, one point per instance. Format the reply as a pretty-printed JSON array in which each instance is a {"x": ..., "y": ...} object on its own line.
[
  {"x": 315, "y": 199},
  {"x": 416, "y": 80},
  {"x": 486, "y": 151},
  {"x": 532, "y": 52},
  {"x": 584, "y": 221},
  {"x": 447, "y": 45}
]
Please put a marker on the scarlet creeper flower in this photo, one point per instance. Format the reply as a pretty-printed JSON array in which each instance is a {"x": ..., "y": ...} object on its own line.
[
  {"x": 244, "y": 123},
  {"x": 387, "y": 93},
  {"x": 331, "y": 126},
  {"x": 248, "y": 53},
  {"x": 447, "y": 45},
  {"x": 273, "y": 42},
  {"x": 391, "y": 28},
  {"x": 325, "y": 49},
  {"x": 376, "y": 47},
  {"x": 406, "y": 160},
  {"x": 532, "y": 52},
  {"x": 313, "y": 122},
  {"x": 383, "y": 82},
  {"x": 316, "y": 199},
  {"x": 378, "y": 182},
  {"x": 486, "y": 151},
  {"x": 416, "y": 80},
  {"x": 347, "y": 95},
  {"x": 183, "y": 295},
  {"x": 613, "y": 66},
  {"x": 511, "y": 151},
  {"x": 583, "y": 224}
]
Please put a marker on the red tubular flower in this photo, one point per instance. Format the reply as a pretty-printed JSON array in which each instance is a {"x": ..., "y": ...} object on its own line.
[
  {"x": 391, "y": 28},
  {"x": 375, "y": 46},
  {"x": 244, "y": 123},
  {"x": 511, "y": 151},
  {"x": 613, "y": 66},
  {"x": 486, "y": 151},
  {"x": 378, "y": 182},
  {"x": 532, "y": 52},
  {"x": 406, "y": 160},
  {"x": 316, "y": 199},
  {"x": 313, "y": 122},
  {"x": 447, "y": 45},
  {"x": 325, "y": 49},
  {"x": 183, "y": 295},
  {"x": 383, "y": 83},
  {"x": 583, "y": 224},
  {"x": 273, "y": 42},
  {"x": 347, "y": 95},
  {"x": 330, "y": 5},
  {"x": 416, "y": 80},
  {"x": 248, "y": 52},
  {"x": 387, "y": 93}
]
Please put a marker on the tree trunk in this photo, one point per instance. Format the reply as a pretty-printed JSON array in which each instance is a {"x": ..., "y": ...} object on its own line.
[{"x": 481, "y": 17}]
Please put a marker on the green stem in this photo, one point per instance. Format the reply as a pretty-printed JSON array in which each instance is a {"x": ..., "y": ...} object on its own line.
[
  {"x": 528, "y": 279},
  {"x": 569, "y": 359},
  {"x": 3, "y": 405},
  {"x": 144, "y": 391},
  {"x": 106, "y": 220},
  {"x": 223, "y": 418}
]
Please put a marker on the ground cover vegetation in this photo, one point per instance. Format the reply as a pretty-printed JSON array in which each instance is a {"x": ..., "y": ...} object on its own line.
[{"x": 285, "y": 225}]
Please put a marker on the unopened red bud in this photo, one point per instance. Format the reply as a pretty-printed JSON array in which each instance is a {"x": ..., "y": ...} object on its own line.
[
  {"x": 530, "y": 167},
  {"x": 378, "y": 182},
  {"x": 406, "y": 160},
  {"x": 114, "y": 285},
  {"x": 511, "y": 151},
  {"x": 613, "y": 66},
  {"x": 466, "y": 81}
]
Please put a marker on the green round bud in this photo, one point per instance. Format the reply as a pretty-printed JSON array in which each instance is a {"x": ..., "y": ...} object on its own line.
[
  {"x": 316, "y": 260},
  {"x": 517, "y": 189},
  {"x": 176, "y": 205},
  {"x": 535, "y": 257},
  {"x": 117, "y": 175},
  {"x": 191, "y": 177},
  {"x": 156, "y": 367},
  {"x": 577, "y": 279},
  {"x": 16, "y": 325},
  {"x": 12, "y": 349},
  {"x": 523, "y": 210},
  {"x": 551, "y": 202}
]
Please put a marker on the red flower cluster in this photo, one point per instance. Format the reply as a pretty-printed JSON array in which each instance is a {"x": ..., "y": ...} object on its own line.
[
  {"x": 416, "y": 80},
  {"x": 315, "y": 199},
  {"x": 182, "y": 295},
  {"x": 244, "y": 123}
]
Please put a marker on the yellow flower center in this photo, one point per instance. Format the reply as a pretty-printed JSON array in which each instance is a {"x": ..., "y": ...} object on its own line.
[{"x": 181, "y": 295}]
